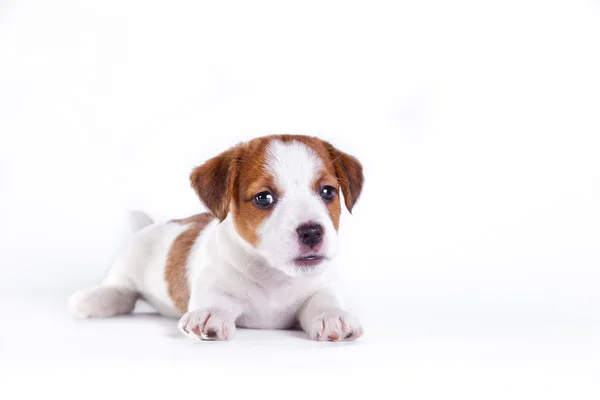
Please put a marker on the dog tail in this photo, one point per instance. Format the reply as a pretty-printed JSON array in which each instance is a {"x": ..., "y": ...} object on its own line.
[{"x": 138, "y": 220}]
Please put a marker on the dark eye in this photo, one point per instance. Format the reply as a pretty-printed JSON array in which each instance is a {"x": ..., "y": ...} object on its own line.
[
  {"x": 327, "y": 193},
  {"x": 264, "y": 200}
]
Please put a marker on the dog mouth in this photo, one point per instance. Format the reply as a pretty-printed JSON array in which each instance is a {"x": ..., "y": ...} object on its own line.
[{"x": 311, "y": 260}]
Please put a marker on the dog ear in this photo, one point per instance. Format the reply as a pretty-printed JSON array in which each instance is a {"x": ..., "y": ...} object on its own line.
[
  {"x": 214, "y": 181},
  {"x": 349, "y": 173}
]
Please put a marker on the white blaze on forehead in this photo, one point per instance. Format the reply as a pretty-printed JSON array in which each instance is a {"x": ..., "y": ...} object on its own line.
[
  {"x": 294, "y": 167},
  {"x": 292, "y": 164}
]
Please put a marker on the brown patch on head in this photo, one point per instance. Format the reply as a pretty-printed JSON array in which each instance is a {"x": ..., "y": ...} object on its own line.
[
  {"x": 177, "y": 260},
  {"x": 252, "y": 178},
  {"x": 334, "y": 206},
  {"x": 326, "y": 177},
  {"x": 349, "y": 173},
  {"x": 230, "y": 181},
  {"x": 214, "y": 181}
]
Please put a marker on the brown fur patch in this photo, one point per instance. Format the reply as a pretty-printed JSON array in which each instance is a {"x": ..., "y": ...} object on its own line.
[
  {"x": 349, "y": 173},
  {"x": 177, "y": 259},
  {"x": 214, "y": 180},
  {"x": 334, "y": 206},
  {"x": 252, "y": 179}
]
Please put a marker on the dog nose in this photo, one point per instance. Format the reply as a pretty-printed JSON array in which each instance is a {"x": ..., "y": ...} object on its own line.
[{"x": 310, "y": 234}]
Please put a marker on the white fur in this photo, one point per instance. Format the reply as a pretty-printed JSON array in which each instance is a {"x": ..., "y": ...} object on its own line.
[
  {"x": 139, "y": 220},
  {"x": 294, "y": 167},
  {"x": 231, "y": 282}
]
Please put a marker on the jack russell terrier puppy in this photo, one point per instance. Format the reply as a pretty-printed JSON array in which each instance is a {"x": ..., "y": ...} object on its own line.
[{"x": 260, "y": 259}]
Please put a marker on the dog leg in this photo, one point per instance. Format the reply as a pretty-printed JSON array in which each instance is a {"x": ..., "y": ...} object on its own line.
[
  {"x": 212, "y": 316},
  {"x": 103, "y": 301},
  {"x": 322, "y": 319}
]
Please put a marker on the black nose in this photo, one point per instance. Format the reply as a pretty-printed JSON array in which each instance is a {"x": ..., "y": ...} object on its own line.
[{"x": 310, "y": 234}]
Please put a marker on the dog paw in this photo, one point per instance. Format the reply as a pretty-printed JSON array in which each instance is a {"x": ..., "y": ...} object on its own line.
[
  {"x": 335, "y": 326},
  {"x": 207, "y": 324}
]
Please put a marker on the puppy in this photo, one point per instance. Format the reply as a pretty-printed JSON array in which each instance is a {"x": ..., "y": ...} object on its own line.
[{"x": 260, "y": 259}]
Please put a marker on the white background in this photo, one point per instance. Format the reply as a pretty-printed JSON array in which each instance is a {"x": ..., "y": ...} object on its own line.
[{"x": 472, "y": 258}]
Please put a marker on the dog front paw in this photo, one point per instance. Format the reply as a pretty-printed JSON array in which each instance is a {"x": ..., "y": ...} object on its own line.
[
  {"x": 207, "y": 324},
  {"x": 335, "y": 326}
]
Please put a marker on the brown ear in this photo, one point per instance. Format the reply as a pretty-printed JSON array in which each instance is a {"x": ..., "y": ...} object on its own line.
[
  {"x": 349, "y": 173},
  {"x": 214, "y": 181}
]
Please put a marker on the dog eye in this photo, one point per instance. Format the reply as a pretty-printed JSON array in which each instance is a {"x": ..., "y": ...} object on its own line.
[
  {"x": 327, "y": 193},
  {"x": 264, "y": 199}
]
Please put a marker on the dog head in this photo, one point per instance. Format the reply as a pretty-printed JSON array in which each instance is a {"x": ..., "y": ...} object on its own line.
[{"x": 282, "y": 194}]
